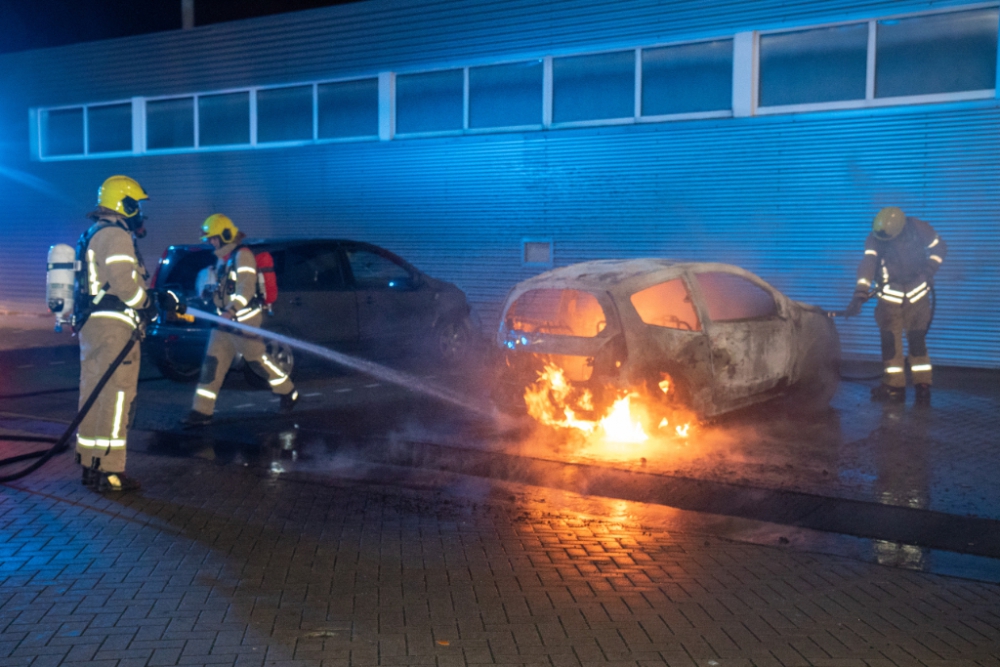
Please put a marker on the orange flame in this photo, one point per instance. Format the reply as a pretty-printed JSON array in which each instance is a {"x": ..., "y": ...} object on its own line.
[{"x": 554, "y": 401}]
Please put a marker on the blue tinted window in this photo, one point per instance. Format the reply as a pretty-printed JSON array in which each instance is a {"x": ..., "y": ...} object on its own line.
[
  {"x": 687, "y": 78},
  {"x": 729, "y": 297},
  {"x": 593, "y": 87},
  {"x": 170, "y": 123},
  {"x": 224, "y": 119},
  {"x": 429, "y": 102},
  {"x": 109, "y": 128},
  {"x": 285, "y": 114},
  {"x": 505, "y": 95},
  {"x": 824, "y": 65},
  {"x": 348, "y": 109},
  {"x": 942, "y": 53},
  {"x": 62, "y": 132}
]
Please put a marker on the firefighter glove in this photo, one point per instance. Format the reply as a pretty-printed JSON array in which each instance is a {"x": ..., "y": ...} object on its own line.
[
  {"x": 854, "y": 307},
  {"x": 170, "y": 303},
  {"x": 149, "y": 314}
]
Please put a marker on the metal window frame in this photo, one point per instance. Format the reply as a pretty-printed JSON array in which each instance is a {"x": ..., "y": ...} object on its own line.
[
  {"x": 871, "y": 63},
  {"x": 690, "y": 115},
  {"x": 387, "y": 95},
  {"x": 432, "y": 133},
  {"x": 538, "y": 265}
]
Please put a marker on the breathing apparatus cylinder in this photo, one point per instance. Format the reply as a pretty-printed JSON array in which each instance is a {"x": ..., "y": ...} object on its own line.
[{"x": 59, "y": 282}]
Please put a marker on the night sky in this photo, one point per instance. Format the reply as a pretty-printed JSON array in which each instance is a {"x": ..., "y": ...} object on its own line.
[{"x": 32, "y": 24}]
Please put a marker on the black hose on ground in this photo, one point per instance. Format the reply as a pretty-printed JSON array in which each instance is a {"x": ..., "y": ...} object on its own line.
[
  {"x": 61, "y": 443},
  {"x": 865, "y": 378}
]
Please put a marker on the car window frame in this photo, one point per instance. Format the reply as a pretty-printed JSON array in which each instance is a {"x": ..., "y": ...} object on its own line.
[
  {"x": 294, "y": 247},
  {"x": 606, "y": 300},
  {"x": 702, "y": 304},
  {"x": 699, "y": 312},
  {"x": 416, "y": 277}
]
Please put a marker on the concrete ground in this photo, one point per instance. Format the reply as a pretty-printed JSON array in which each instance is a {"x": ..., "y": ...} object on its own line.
[{"x": 375, "y": 528}]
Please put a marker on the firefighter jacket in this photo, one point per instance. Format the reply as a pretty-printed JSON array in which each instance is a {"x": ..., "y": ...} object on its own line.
[
  {"x": 901, "y": 268},
  {"x": 116, "y": 277},
  {"x": 237, "y": 291}
]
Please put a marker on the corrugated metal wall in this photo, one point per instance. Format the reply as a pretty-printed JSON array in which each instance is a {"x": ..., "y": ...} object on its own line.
[{"x": 789, "y": 197}]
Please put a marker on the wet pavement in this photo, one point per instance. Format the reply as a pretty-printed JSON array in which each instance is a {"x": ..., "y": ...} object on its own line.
[{"x": 374, "y": 527}]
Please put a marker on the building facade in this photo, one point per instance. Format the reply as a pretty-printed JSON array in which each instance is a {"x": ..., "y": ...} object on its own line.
[{"x": 487, "y": 141}]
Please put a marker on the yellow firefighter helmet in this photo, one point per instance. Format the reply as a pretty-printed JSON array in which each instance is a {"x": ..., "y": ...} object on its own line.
[
  {"x": 122, "y": 195},
  {"x": 219, "y": 225},
  {"x": 888, "y": 223}
]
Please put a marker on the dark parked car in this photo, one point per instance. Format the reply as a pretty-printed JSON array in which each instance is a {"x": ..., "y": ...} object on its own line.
[
  {"x": 347, "y": 295},
  {"x": 725, "y": 338}
]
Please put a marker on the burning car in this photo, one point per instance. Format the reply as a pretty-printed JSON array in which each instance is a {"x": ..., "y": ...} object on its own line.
[{"x": 576, "y": 342}]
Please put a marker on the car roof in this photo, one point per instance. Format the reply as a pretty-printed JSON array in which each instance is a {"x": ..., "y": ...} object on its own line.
[{"x": 621, "y": 276}]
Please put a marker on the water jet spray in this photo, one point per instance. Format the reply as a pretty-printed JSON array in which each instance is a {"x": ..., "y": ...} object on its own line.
[{"x": 365, "y": 366}]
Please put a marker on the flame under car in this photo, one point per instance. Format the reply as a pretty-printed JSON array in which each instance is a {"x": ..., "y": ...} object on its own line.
[{"x": 722, "y": 337}]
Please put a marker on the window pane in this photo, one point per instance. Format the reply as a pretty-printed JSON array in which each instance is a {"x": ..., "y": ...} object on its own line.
[
  {"x": 110, "y": 128},
  {"x": 505, "y": 95},
  {"x": 372, "y": 270},
  {"x": 285, "y": 114},
  {"x": 429, "y": 102},
  {"x": 730, "y": 297},
  {"x": 310, "y": 268},
  {"x": 667, "y": 305},
  {"x": 687, "y": 78},
  {"x": 945, "y": 53},
  {"x": 566, "y": 312},
  {"x": 170, "y": 123},
  {"x": 224, "y": 119},
  {"x": 825, "y": 65},
  {"x": 593, "y": 87},
  {"x": 62, "y": 132},
  {"x": 348, "y": 109}
]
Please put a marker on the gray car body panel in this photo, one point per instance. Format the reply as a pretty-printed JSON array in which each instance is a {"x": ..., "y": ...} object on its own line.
[{"x": 724, "y": 366}]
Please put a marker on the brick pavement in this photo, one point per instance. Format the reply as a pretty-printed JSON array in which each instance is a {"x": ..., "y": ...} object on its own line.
[{"x": 215, "y": 564}]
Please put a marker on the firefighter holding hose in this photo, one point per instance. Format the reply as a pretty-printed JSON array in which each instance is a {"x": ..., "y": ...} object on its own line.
[
  {"x": 238, "y": 297},
  {"x": 111, "y": 303},
  {"x": 902, "y": 254}
]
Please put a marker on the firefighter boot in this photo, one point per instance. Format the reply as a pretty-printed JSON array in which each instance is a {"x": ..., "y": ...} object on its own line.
[
  {"x": 90, "y": 474},
  {"x": 923, "y": 394},
  {"x": 885, "y": 393},
  {"x": 289, "y": 400},
  {"x": 116, "y": 482}
]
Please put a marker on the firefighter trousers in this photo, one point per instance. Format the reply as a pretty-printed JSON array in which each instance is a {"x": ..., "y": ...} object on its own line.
[
  {"x": 223, "y": 346},
  {"x": 913, "y": 319},
  {"x": 101, "y": 438}
]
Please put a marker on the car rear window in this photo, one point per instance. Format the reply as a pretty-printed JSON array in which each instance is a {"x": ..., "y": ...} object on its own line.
[
  {"x": 667, "y": 305},
  {"x": 729, "y": 297},
  {"x": 565, "y": 312},
  {"x": 181, "y": 267}
]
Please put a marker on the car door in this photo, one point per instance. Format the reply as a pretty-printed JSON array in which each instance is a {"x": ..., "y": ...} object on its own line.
[
  {"x": 395, "y": 306},
  {"x": 314, "y": 302},
  {"x": 749, "y": 335}
]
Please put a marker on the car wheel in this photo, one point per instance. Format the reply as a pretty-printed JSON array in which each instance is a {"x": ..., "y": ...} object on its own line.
[
  {"x": 454, "y": 340},
  {"x": 279, "y": 354}
]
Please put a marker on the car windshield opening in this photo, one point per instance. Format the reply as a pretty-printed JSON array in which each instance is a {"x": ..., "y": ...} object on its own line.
[{"x": 565, "y": 312}]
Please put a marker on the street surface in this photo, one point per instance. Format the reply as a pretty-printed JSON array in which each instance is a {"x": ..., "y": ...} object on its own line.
[{"x": 377, "y": 527}]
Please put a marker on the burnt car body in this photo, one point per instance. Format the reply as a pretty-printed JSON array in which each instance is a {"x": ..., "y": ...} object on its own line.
[
  {"x": 724, "y": 336},
  {"x": 348, "y": 295}
]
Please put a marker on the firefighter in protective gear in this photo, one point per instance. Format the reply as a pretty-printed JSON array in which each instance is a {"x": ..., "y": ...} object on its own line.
[
  {"x": 238, "y": 298},
  {"x": 902, "y": 254},
  {"x": 111, "y": 302}
]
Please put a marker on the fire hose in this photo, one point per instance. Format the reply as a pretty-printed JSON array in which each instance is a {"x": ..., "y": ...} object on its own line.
[
  {"x": 843, "y": 313},
  {"x": 61, "y": 443}
]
